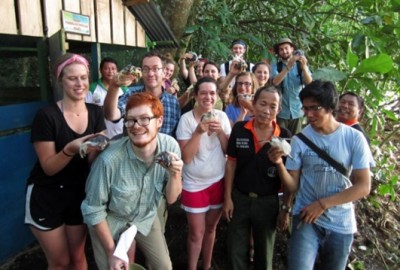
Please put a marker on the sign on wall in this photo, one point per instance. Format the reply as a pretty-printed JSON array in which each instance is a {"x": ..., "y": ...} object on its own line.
[{"x": 75, "y": 23}]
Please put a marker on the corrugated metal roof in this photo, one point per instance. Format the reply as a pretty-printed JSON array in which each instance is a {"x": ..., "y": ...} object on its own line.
[{"x": 154, "y": 24}]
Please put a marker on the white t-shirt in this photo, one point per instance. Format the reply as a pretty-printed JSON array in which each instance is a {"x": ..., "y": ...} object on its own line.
[
  {"x": 97, "y": 96},
  {"x": 208, "y": 165}
]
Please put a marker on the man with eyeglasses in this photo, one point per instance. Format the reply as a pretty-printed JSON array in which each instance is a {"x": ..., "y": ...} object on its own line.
[
  {"x": 290, "y": 74},
  {"x": 323, "y": 214},
  {"x": 153, "y": 73},
  {"x": 125, "y": 186}
]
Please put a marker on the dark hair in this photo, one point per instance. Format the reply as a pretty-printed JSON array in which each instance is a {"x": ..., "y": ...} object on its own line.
[
  {"x": 108, "y": 60},
  {"x": 360, "y": 101},
  {"x": 204, "y": 80},
  {"x": 240, "y": 42},
  {"x": 211, "y": 63},
  {"x": 153, "y": 54},
  {"x": 323, "y": 92},
  {"x": 256, "y": 65},
  {"x": 254, "y": 85},
  {"x": 268, "y": 88}
]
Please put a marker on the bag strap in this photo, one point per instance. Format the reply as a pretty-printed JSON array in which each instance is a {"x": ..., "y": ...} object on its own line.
[{"x": 322, "y": 154}]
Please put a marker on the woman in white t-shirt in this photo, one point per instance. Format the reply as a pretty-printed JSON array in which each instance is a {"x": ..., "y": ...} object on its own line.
[{"x": 203, "y": 135}]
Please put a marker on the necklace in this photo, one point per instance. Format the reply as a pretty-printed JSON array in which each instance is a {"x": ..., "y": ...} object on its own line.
[{"x": 62, "y": 109}]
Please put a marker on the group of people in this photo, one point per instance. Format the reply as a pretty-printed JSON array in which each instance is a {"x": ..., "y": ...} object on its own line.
[{"x": 219, "y": 161}]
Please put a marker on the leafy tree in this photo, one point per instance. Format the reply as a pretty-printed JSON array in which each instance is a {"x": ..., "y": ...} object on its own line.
[{"x": 354, "y": 43}]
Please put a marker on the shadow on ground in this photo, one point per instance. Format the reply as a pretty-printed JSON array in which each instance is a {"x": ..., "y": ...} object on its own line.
[{"x": 32, "y": 257}]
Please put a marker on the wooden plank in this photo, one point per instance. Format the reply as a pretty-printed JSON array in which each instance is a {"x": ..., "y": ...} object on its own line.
[
  {"x": 87, "y": 8},
  {"x": 52, "y": 15},
  {"x": 22, "y": 114},
  {"x": 117, "y": 16},
  {"x": 134, "y": 2},
  {"x": 30, "y": 18},
  {"x": 15, "y": 166},
  {"x": 8, "y": 20},
  {"x": 73, "y": 6},
  {"x": 130, "y": 28},
  {"x": 103, "y": 21},
  {"x": 141, "y": 36}
]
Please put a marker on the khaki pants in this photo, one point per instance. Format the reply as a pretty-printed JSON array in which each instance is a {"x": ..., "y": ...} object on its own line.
[{"x": 153, "y": 246}]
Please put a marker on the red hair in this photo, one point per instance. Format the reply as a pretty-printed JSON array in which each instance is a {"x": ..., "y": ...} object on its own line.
[{"x": 148, "y": 99}]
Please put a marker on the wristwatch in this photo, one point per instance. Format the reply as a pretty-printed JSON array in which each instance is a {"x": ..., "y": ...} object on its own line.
[{"x": 286, "y": 208}]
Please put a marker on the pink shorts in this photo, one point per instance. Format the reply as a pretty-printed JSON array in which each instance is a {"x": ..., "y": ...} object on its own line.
[{"x": 203, "y": 200}]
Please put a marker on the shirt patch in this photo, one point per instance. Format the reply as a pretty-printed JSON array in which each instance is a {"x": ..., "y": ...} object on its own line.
[
  {"x": 272, "y": 172},
  {"x": 242, "y": 143}
]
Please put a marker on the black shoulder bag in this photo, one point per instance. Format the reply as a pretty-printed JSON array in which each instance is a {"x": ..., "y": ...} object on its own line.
[{"x": 322, "y": 154}]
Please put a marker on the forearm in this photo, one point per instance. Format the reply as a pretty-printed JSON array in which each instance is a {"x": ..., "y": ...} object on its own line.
[
  {"x": 192, "y": 75},
  {"x": 281, "y": 76},
  {"x": 306, "y": 76},
  {"x": 223, "y": 139},
  {"x": 227, "y": 80},
  {"x": 174, "y": 187},
  {"x": 104, "y": 234},
  {"x": 111, "y": 111},
  {"x": 228, "y": 179},
  {"x": 358, "y": 190},
  {"x": 191, "y": 148},
  {"x": 290, "y": 182},
  {"x": 182, "y": 68}
]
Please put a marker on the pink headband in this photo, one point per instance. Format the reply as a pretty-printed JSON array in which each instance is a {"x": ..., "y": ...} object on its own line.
[{"x": 75, "y": 58}]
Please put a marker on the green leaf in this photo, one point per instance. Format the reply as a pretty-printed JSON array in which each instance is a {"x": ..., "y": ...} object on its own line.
[
  {"x": 390, "y": 114},
  {"x": 351, "y": 59},
  {"x": 381, "y": 63},
  {"x": 329, "y": 74}
]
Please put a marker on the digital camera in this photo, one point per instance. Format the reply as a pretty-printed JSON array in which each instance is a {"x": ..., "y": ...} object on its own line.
[{"x": 299, "y": 52}]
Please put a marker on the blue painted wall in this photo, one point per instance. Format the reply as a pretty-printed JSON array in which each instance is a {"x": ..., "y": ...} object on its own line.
[{"x": 16, "y": 160}]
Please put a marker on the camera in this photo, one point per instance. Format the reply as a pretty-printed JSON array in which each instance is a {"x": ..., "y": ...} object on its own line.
[
  {"x": 299, "y": 52},
  {"x": 192, "y": 56}
]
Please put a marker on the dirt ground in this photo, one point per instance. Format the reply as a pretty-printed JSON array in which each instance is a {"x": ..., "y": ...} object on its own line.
[{"x": 376, "y": 245}]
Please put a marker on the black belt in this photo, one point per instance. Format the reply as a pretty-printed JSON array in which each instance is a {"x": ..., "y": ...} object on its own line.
[{"x": 253, "y": 194}]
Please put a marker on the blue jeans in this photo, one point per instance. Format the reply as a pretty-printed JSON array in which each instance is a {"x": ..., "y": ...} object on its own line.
[{"x": 308, "y": 240}]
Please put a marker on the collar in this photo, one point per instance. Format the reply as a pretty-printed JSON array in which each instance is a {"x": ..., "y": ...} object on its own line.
[
  {"x": 250, "y": 126},
  {"x": 351, "y": 122}
]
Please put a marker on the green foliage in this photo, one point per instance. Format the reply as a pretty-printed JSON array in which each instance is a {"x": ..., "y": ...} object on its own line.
[{"x": 354, "y": 43}]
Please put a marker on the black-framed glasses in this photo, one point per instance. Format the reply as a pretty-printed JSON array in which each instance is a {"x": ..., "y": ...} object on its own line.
[
  {"x": 143, "y": 121},
  {"x": 148, "y": 69},
  {"x": 313, "y": 109},
  {"x": 244, "y": 83}
]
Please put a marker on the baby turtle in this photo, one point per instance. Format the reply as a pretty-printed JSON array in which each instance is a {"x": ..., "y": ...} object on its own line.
[
  {"x": 128, "y": 70},
  {"x": 282, "y": 144},
  {"x": 99, "y": 142},
  {"x": 247, "y": 97},
  {"x": 164, "y": 159},
  {"x": 208, "y": 116}
]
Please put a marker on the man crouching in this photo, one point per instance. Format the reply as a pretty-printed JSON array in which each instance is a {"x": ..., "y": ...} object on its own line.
[{"x": 126, "y": 184}]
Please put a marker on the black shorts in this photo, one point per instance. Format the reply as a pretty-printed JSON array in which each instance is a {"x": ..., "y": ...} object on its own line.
[{"x": 48, "y": 208}]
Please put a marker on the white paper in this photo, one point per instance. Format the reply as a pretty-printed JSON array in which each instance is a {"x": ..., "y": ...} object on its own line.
[{"x": 124, "y": 243}]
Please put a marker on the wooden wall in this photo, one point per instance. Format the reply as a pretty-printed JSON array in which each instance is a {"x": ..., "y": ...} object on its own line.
[{"x": 110, "y": 21}]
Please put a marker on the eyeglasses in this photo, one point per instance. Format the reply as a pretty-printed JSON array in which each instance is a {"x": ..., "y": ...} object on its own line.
[
  {"x": 314, "y": 108},
  {"x": 144, "y": 121},
  {"x": 154, "y": 69},
  {"x": 244, "y": 83}
]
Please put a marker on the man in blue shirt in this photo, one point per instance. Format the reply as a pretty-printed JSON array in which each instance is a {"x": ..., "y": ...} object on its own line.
[
  {"x": 323, "y": 214},
  {"x": 153, "y": 73},
  {"x": 291, "y": 73}
]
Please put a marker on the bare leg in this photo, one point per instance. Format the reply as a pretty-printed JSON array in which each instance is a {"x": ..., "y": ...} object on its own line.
[
  {"x": 196, "y": 224},
  {"x": 76, "y": 236},
  {"x": 212, "y": 218},
  {"x": 55, "y": 246}
]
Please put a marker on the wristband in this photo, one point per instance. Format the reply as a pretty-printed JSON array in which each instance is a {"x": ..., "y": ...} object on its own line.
[{"x": 65, "y": 153}]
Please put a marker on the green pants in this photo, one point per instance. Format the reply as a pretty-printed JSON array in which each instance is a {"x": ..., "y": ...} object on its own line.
[{"x": 256, "y": 214}]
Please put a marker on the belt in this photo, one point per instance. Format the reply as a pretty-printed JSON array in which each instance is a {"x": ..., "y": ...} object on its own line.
[{"x": 253, "y": 194}]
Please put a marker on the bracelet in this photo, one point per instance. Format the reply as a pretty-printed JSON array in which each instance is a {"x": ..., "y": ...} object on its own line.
[
  {"x": 65, "y": 153},
  {"x": 320, "y": 204},
  {"x": 287, "y": 68}
]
